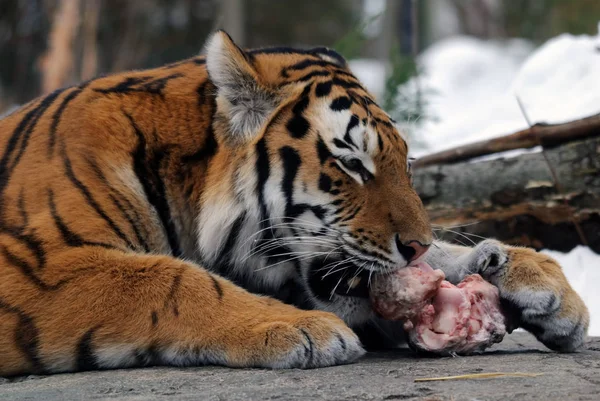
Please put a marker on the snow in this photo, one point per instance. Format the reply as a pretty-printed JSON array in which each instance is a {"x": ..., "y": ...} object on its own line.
[
  {"x": 561, "y": 81},
  {"x": 371, "y": 73},
  {"x": 468, "y": 81},
  {"x": 472, "y": 85},
  {"x": 471, "y": 88},
  {"x": 582, "y": 268}
]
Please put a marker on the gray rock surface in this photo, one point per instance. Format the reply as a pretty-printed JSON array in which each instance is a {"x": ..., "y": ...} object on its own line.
[{"x": 378, "y": 376}]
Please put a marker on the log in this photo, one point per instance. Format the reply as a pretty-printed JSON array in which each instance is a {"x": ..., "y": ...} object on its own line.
[
  {"x": 540, "y": 134},
  {"x": 516, "y": 200}
]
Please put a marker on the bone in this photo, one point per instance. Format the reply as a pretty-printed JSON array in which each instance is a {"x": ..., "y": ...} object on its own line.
[{"x": 439, "y": 316}]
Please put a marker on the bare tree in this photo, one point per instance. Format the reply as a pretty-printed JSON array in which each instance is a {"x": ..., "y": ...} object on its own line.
[
  {"x": 89, "y": 62},
  {"x": 232, "y": 14},
  {"x": 57, "y": 63}
]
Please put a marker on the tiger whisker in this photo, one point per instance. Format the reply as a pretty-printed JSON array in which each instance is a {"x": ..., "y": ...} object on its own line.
[
  {"x": 294, "y": 241},
  {"x": 288, "y": 260},
  {"x": 358, "y": 271},
  {"x": 332, "y": 234},
  {"x": 335, "y": 268},
  {"x": 263, "y": 251},
  {"x": 336, "y": 286},
  {"x": 462, "y": 235}
]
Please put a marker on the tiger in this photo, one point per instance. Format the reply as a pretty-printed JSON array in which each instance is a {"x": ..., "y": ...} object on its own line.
[{"x": 228, "y": 209}]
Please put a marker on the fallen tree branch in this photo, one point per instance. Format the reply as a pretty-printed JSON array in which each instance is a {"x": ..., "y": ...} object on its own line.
[
  {"x": 516, "y": 199},
  {"x": 547, "y": 135}
]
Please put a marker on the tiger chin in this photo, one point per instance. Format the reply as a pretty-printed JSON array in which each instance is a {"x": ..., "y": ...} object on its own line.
[{"x": 227, "y": 209}]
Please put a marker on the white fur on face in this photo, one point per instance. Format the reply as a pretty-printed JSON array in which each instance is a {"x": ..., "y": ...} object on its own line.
[{"x": 332, "y": 125}]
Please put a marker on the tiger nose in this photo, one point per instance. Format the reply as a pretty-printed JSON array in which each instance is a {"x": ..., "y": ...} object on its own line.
[{"x": 411, "y": 250}]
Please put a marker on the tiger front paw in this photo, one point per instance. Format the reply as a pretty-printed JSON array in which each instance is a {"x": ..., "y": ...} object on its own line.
[
  {"x": 309, "y": 339},
  {"x": 535, "y": 294}
]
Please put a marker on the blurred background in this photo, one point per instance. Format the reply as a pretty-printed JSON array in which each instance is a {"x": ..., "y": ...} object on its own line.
[
  {"x": 47, "y": 44},
  {"x": 452, "y": 72}
]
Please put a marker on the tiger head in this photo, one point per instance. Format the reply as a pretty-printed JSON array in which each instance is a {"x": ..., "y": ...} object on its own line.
[{"x": 310, "y": 191}]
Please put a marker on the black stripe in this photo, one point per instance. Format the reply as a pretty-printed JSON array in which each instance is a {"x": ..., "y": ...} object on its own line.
[
  {"x": 316, "y": 52},
  {"x": 322, "y": 151},
  {"x": 291, "y": 164},
  {"x": 346, "y": 84},
  {"x": 122, "y": 204},
  {"x": 147, "y": 171},
  {"x": 170, "y": 300},
  {"x": 144, "y": 84},
  {"x": 132, "y": 220},
  {"x": 311, "y": 75},
  {"x": 58, "y": 114},
  {"x": 217, "y": 285},
  {"x": 290, "y": 50},
  {"x": 323, "y": 88},
  {"x": 125, "y": 86},
  {"x": 28, "y": 271},
  {"x": 305, "y": 64},
  {"x": 148, "y": 356},
  {"x": 86, "y": 360},
  {"x": 70, "y": 237},
  {"x": 22, "y": 211},
  {"x": 351, "y": 125},
  {"x": 225, "y": 252},
  {"x": 339, "y": 71},
  {"x": 352, "y": 214},
  {"x": 157, "y": 86},
  {"x": 319, "y": 211},
  {"x": 26, "y": 337},
  {"x": 387, "y": 124},
  {"x": 342, "y": 341},
  {"x": 341, "y": 103},
  {"x": 302, "y": 104},
  {"x": 272, "y": 254},
  {"x": 263, "y": 170},
  {"x": 154, "y": 318},
  {"x": 308, "y": 350},
  {"x": 39, "y": 111},
  {"x": 298, "y": 125},
  {"x": 33, "y": 243},
  {"x": 341, "y": 144},
  {"x": 210, "y": 146},
  {"x": 90, "y": 199},
  {"x": 208, "y": 150},
  {"x": 325, "y": 182},
  {"x": 21, "y": 135}
]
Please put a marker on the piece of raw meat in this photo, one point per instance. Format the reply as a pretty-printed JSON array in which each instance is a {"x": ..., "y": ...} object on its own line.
[
  {"x": 403, "y": 294},
  {"x": 440, "y": 317}
]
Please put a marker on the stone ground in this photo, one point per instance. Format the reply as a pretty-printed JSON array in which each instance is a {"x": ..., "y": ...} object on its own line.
[{"x": 378, "y": 376}]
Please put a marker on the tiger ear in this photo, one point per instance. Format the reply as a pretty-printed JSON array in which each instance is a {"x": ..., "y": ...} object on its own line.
[{"x": 244, "y": 100}]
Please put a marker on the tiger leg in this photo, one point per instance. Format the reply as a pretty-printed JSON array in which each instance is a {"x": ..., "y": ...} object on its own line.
[
  {"x": 111, "y": 309},
  {"x": 534, "y": 291}
]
